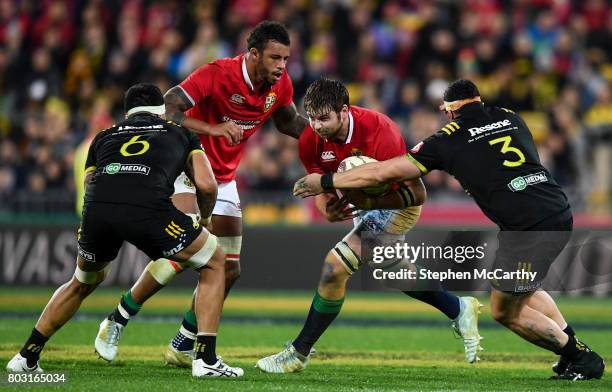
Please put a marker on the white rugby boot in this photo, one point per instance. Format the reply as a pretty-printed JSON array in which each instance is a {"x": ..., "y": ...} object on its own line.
[
  {"x": 199, "y": 368},
  {"x": 286, "y": 361},
  {"x": 107, "y": 340},
  {"x": 19, "y": 364},
  {"x": 466, "y": 325},
  {"x": 175, "y": 357}
]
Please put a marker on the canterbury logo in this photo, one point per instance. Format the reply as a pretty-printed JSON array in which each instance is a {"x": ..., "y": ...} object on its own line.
[
  {"x": 174, "y": 230},
  {"x": 328, "y": 156}
]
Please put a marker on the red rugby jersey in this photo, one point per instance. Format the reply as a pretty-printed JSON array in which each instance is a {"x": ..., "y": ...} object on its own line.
[
  {"x": 370, "y": 133},
  {"x": 221, "y": 91}
]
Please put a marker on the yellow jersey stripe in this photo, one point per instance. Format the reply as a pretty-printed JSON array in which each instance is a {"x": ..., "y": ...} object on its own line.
[
  {"x": 175, "y": 231},
  {"x": 171, "y": 233},
  {"x": 449, "y": 129},
  {"x": 418, "y": 164},
  {"x": 175, "y": 226},
  {"x": 446, "y": 131},
  {"x": 90, "y": 169},
  {"x": 454, "y": 125}
]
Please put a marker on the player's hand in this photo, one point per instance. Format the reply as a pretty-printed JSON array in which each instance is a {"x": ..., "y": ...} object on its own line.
[
  {"x": 229, "y": 130},
  {"x": 359, "y": 199},
  {"x": 337, "y": 210},
  {"x": 308, "y": 186}
]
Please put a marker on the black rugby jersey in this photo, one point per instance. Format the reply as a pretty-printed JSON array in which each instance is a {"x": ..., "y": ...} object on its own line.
[
  {"x": 136, "y": 161},
  {"x": 491, "y": 152}
]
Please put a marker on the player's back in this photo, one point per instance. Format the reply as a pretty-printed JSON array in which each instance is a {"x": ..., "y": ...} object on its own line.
[
  {"x": 136, "y": 161},
  {"x": 491, "y": 152}
]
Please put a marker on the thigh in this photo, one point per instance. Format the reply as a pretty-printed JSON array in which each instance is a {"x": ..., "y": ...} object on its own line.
[
  {"x": 159, "y": 233},
  {"x": 527, "y": 251},
  {"x": 98, "y": 241},
  {"x": 228, "y": 201}
]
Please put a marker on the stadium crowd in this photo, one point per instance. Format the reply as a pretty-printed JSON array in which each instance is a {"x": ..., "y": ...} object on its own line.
[{"x": 64, "y": 65}]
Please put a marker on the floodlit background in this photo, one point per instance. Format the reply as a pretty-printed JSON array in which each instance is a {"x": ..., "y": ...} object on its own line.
[{"x": 65, "y": 64}]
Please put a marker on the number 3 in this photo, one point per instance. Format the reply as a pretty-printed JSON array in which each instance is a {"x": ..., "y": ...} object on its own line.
[
  {"x": 506, "y": 148},
  {"x": 134, "y": 140}
]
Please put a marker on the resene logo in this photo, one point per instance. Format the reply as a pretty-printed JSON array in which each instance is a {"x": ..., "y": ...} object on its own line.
[
  {"x": 114, "y": 168},
  {"x": 520, "y": 183}
]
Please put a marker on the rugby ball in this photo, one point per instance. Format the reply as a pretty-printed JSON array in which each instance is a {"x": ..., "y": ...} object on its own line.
[{"x": 358, "y": 160}]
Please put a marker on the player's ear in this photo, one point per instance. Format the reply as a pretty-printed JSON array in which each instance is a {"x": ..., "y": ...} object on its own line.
[
  {"x": 254, "y": 52},
  {"x": 344, "y": 112}
]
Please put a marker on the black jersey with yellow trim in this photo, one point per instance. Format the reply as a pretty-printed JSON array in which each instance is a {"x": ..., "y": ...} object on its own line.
[
  {"x": 491, "y": 152},
  {"x": 137, "y": 160}
]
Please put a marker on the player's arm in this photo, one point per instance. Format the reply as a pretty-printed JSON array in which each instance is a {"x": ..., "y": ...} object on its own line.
[
  {"x": 410, "y": 193},
  {"x": 369, "y": 175},
  {"x": 200, "y": 173},
  {"x": 177, "y": 103},
  {"x": 289, "y": 121}
]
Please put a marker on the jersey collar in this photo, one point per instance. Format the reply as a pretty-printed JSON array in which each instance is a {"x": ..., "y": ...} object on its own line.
[
  {"x": 351, "y": 125},
  {"x": 245, "y": 74}
]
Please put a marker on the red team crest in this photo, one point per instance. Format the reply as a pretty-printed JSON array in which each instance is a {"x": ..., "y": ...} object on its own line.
[{"x": 270, "y": 100}]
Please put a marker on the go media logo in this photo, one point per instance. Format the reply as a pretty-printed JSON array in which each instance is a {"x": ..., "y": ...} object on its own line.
[
  {"x": 522, "y": 182},
  {"x": 114, "y": 168}
]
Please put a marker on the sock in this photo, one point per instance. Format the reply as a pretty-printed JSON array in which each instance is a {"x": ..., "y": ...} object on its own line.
[
  {"x": 569, "y": 330},
  {"x": 33, "y": 346},
  {"x": 205, "y": 348},
  {"x": 322, "y": 313},
  {"x": 573, "y": 348},
  {"x": 186, "y": 336},
  {"x": 445, "y": 302},
  {"x": 127, "y": 308}
]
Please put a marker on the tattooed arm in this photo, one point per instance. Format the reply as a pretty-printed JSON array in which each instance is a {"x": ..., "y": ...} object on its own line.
[
  {"x": 177, "y": 103},
  {"x": 288, "y": 121}
]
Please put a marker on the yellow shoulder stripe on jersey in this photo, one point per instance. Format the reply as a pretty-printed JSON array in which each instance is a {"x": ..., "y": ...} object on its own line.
[
  {"x": 454, "y": 125},
  {"x": 446, "y": 130},
  {"x": 418, "y": 164},
  {"x": 90, "y": 169},
  {"x": 507, "y": 110}
]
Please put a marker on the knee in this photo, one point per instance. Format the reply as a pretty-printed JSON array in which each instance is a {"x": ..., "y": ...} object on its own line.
[
  {"x": 81, "y": 289},
  {"x": 504, "y": 315},
  {"x": 333, "y": 273},
  {"x": 232, "y": 271}
]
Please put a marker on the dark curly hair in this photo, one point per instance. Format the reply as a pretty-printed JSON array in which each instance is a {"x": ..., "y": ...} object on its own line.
[
  {"x": 267, "y": 31},
  {"x": 324, "y": 95},
  {"x": 461, "y": 89}
]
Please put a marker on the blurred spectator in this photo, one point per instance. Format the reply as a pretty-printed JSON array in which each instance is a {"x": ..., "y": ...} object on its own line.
[{"x": 65, "y": 64}]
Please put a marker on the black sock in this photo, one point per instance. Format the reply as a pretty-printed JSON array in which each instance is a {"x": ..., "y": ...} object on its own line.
[
  {"x": 573, "y": 348},
  {"x": 205, "y": 348},
  {"x": 33, "y": 346},
  {"x": 322, "y": 313},
  {"x": 569, "y": 330},
  {"x": 442, "y": 300}
]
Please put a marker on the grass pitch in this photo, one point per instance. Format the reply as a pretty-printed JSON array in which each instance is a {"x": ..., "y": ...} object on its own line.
[{"x": 382, "y": 342}]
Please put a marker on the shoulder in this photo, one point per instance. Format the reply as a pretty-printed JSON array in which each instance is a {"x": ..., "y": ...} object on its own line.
[{"x": 450, "y": 128}]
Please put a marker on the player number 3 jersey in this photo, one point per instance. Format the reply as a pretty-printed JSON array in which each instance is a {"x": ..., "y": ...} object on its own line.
[{"x": 491, "y": 152}]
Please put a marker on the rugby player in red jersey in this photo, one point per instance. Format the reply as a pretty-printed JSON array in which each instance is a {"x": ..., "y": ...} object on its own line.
[
  {"x": 225, "y": 102},
  {"x": 336, "y": 132}
]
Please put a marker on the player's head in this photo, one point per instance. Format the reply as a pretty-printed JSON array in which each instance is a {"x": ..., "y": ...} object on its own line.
[
  {"x": 327, "y": 106},
  {"x": 457, "y": 94},
  {"x": 268, "y": 44},
  {"x": 144, "y": 97}
]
